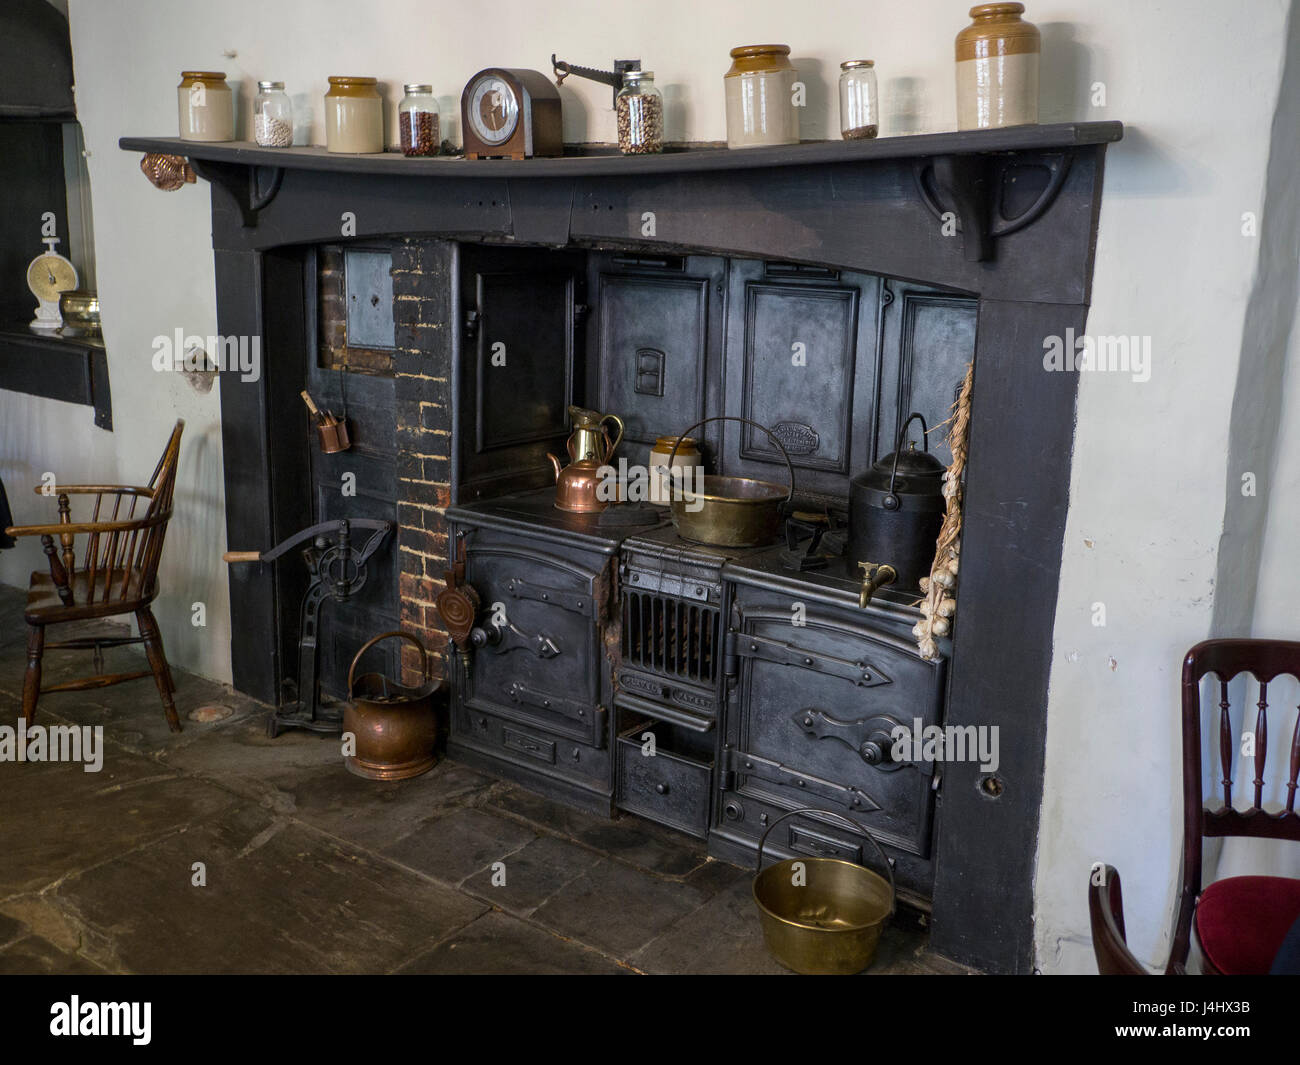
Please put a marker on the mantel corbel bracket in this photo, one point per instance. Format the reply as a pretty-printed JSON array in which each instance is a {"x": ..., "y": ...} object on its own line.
[
  {"x": 976, "y": 192},
  {"x": 252, "y": 187}
]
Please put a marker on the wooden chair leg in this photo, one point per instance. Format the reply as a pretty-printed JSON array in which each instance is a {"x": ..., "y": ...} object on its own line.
[
  {"x": 162, "y": 674},
  {"x": 32, "y": 678}
]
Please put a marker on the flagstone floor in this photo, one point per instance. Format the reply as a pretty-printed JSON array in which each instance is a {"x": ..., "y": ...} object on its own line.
[{"x": 305, "y": 868}]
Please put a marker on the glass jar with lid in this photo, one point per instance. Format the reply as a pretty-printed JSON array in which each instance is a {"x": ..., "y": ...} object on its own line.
[
  {"x": 760, "y": 97},
  {"x": 418, "y": 122},
  {"x": 859, "y": 104},
  {"x": 272, "y": 115},
  {"x": 354, "y": 116},
  {"x": 206, "y": 106},
  {"x": 639, "y": 110}
]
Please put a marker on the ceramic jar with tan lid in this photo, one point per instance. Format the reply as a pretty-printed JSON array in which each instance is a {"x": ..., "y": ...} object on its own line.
[
  {"x": 206, "y": 106},
  {"x": 760, "y": 97},
  {"x": 688, "y": 455},
  {"x": 354, "y": 116},
  {"x": 997, "y": 68}
]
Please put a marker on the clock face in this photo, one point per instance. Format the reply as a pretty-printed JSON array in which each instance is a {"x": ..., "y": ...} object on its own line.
[
  {"x": 493, "y": 110},
  {"x": 50, "y": 274}
]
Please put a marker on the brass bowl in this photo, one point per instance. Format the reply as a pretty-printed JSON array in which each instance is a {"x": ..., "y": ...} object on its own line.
[
  {"x": 79, "y": 308},
  {"x": 823, "y": 916},
  {"x": 729, "y": 511},
  {"x": 826, "y": 922}
]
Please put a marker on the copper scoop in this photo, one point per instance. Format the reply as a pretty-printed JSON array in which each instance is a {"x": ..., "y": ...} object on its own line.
[{"x": 332, "y": 430}]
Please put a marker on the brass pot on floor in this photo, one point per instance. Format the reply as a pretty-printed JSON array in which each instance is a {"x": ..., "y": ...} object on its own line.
[
  {"x": 394, "y": 726},
  {"x": 823, "y": 916}
]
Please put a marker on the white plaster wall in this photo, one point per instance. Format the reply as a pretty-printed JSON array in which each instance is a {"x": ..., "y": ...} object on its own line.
[
  {"x": 1146, "y": 506},
  {"x": 1277, "y": 611},
  {"x": 1194, "y": 80}
]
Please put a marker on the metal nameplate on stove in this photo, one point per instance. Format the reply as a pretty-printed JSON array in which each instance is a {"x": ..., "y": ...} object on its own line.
[
  {"x": 655, "y": 688},
  {"x": 797, "y": 438},
  {"x": 860, "y": 671}
]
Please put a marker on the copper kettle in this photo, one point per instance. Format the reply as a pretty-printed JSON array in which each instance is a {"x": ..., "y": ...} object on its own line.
[{"x": 577, "y": 485}]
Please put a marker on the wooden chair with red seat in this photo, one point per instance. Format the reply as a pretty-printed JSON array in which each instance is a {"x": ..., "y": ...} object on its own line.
[
  {"x": 1241, "y": 921},
  {"x": 118, "y": 576}
]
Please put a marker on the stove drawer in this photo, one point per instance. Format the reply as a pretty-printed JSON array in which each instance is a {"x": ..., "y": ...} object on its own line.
[
  {"x": 526, "y": 745},
  {"x": 667, "y": 787}
]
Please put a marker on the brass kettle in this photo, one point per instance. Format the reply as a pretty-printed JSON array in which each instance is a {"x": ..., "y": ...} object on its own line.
[{"x": 590, "y": 449}]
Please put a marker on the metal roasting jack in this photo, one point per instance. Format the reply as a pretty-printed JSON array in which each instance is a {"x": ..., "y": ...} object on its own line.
[
  {"x": 874, "y": 577},
  {"x": 612, "y": 78},
  {"x": 338, "y": 571}
]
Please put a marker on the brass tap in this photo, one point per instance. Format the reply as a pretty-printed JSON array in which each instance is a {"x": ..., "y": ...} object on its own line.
[{"x": 874, "y": 577}]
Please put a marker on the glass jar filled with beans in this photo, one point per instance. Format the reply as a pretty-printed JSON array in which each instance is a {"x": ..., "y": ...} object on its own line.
[
  {"x": 417, "y": 121},
  {"x": 272, "y": 115},
  {"x": 639, "y": 109}
]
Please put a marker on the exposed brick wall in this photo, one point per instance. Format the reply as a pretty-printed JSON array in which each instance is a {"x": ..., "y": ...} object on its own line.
[{"x": 421, "y": 312}]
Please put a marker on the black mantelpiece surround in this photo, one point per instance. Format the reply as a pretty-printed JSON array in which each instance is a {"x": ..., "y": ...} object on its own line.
[{"x": 1026, "y": 201}]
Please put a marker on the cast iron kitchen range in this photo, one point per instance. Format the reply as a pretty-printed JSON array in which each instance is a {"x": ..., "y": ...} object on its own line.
[
  {"x": 741, "y": 653},
  {"x": 611, "y": 658}
]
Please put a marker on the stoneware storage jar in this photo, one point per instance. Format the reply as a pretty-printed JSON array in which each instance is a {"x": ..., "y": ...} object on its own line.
[
  {"x": 760, "y": 97},
  {"x": 354, "y": 116},
  {"x": 997, "y": 68},
  {"x": 206, "y": 106},
  {"x": 688, "y": 455}
]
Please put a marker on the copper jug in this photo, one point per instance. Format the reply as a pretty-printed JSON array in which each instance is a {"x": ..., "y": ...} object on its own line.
[{"x": 577, "y": 485}]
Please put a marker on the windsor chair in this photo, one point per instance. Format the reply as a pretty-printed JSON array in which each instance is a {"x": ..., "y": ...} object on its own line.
[{"x": 117, "y": 575}]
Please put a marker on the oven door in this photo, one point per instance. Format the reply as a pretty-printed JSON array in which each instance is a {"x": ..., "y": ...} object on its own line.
[
  {"x": 810, "y": 717},
  {"x": 540, "y": 665}
]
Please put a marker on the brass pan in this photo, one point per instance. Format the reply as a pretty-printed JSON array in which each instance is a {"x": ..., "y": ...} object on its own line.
[
  {"x": 728, "y": 511},
  {"x": 824, "y": 919}
]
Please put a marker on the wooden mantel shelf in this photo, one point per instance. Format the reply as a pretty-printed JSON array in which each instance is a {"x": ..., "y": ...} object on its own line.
[
  {"x": 970, "y": 176},
  {"x": 603, "y": 163}
]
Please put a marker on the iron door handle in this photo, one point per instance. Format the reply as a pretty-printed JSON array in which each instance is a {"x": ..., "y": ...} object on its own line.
[{"x": 505, "y": 638}]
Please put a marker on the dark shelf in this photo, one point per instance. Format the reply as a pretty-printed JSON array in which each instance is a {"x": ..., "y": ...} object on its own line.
[
  {"x": 71, "y": 369},
  {"x": 600, "y": 162}
]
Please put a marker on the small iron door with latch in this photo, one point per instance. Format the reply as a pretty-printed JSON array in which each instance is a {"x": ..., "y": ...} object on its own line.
[
  {"x": 810, "y": 715},
  {"x": 537, "y": 658}
]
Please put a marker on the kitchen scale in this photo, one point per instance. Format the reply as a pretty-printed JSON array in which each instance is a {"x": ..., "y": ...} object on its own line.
[{"x": 49, "y": 275}]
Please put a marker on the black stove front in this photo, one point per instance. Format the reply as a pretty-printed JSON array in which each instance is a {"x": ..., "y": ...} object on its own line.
[{"x": 620, "y": 667}]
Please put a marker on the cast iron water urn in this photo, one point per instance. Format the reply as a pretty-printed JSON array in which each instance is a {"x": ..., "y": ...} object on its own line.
[{"x": 896, "y": 509}]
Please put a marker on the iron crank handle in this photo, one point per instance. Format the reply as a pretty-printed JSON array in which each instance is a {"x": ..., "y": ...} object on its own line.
[
  {"x": 326, "y": 528},
  {"x": 506, "y": 638}
]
